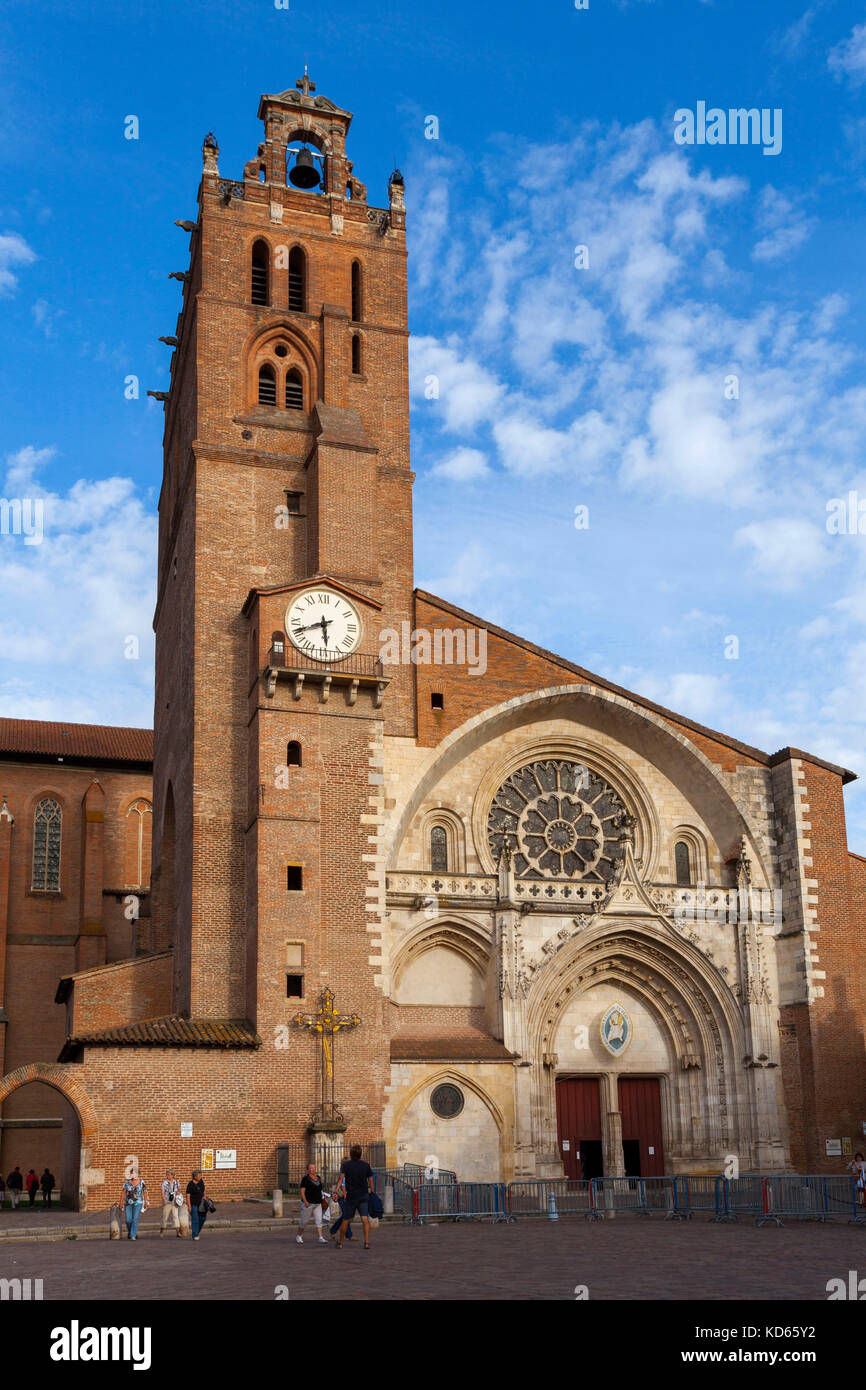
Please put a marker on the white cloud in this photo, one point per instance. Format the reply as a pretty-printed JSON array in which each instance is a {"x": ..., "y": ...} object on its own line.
[
  {"x": 785, "y": 551},
  {"x": 784, "y": 224},
  {"x": 848, "y": 58},
  {"x": 463, "y": 466},
  {"x": 14, "y": 252}
]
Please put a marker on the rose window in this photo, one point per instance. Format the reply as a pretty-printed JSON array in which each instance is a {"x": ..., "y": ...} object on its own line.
[{"x": 558, "y": 820}]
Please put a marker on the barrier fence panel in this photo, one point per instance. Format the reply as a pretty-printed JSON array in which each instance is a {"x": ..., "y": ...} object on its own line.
[
  {"x": 698, "y": 1192},
  {"x": 642, "y": 1195},
  {"x": 571, "y": 1196},
  {"x": 462, "y": 1201},
  {"x": 744, "y": 1196}
]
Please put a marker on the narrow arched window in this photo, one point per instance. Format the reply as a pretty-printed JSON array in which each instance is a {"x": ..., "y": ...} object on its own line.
[
  {"x": 683, "y": 864},
  {"x": 297, "y": 280},
  {"x": 356, "y": 354},
  {"x": 47, "y": 823},
  {"x": 356, "y": 291},
  {"x": 139, "y": 821},
  {"x": 262, "y": 173},
  {"x": 267, "y": 385},
  {"x": 294, "y": 390},
  {"x": 293, "y": 754},
  {"x": 439, "y": 850},
  {"x": 278, "y": 648},
  {"x": 259, "y": 293}
]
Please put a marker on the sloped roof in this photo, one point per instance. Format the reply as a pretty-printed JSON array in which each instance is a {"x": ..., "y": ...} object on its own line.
[
  {"x": 465, "y": 1048},
  {"x": 168, "y": 1031},
  {"x": 768, "y": 759},
  {"x": 83, "y": 742}
]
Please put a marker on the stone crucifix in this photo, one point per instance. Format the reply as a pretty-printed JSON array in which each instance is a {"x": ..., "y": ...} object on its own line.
[{"x": 326, "y": 1021}]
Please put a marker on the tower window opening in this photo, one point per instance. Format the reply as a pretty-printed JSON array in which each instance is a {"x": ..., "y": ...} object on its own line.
[
  {"x": 259, "y": 293},
  {"x": 683, "y": 864},
  {"x": 297, "y": 280},
  {"x": 293, "y": 754},
  {"x": 267, "y": 385},
  {"x": 356, "y": 354},
  {"x": 294, "y": 390},
  {"x": 293, "y": 503},
  {"x": 262, "y": 173},
  {"x": 437, "y": 699},
  {"x": 294, "y": 878},
  {"x": 356, "y": 291},
  {"x": 294, "y": 986},
  {"x": 281, "y": 350}
]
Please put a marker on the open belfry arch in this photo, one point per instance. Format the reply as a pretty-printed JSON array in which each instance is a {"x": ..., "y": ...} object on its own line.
[{"x": 526, "y": 923}]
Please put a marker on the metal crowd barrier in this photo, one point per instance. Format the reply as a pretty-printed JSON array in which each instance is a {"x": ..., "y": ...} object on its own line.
[
  {"x": 641, "y": 1195},
  {"x": 572, "y": 1197},
  {"x": 461, "y": 1201},
  {"x": 695, "y": 1192}
]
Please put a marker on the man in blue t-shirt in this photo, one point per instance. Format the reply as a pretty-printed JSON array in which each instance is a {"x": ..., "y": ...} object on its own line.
[{"x": 356, "y": 1181}]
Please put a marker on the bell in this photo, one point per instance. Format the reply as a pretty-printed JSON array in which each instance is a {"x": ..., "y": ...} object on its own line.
[{"x": 304, "y": 173}]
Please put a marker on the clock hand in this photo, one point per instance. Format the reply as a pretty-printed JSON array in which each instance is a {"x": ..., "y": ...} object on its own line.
[{"x": 325, "y": 623}]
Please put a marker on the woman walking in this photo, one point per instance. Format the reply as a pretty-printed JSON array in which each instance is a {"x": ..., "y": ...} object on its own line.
[{"x": 133, "y": 1199}]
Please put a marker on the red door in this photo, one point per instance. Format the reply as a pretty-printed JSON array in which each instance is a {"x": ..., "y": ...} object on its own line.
[
  {"x": 641, "y": 1109},
  {"x": 578, "y": 1121}
]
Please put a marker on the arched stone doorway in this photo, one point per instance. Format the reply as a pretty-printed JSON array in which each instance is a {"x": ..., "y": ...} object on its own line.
[{"x": 80, "y": 1131}]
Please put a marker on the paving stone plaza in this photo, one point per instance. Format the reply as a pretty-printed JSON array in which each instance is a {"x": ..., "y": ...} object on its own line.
[{"x": 630, "y": 1259}]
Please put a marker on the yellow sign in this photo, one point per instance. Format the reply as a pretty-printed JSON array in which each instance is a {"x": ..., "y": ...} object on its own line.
[{"x": 207, "y": 1162}]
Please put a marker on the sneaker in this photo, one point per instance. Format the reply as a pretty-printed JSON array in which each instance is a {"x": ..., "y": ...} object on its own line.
[
  {"x": 322, "y": 1240},
  {"x": 299, "y": 1240}
]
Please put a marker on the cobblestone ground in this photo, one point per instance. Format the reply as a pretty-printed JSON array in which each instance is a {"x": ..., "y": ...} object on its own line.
[{"x": 623, "y": 1259}]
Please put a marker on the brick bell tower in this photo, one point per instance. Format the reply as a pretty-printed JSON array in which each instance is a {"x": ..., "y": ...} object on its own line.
[{"x": 285, "y": 547}]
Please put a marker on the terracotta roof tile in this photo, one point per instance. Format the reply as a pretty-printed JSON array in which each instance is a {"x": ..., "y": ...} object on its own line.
[
  {"x": 169, "y": 1031},
  {"x": 457, "y": 1049},
  {"x": 106, "y": 743}
]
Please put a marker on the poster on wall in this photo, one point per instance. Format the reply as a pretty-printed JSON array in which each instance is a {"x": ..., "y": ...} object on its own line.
[
  {"x": 226, "y": 1158},
  {"x": 833, "y": 1148},
  {"x": 186, "y": 1129},
  {"x": 206, "y": 1160}
]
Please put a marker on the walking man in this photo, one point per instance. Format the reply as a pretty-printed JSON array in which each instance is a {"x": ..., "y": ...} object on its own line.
[
  {"x": 170, "y": 1203},
  {"x": 311, "y": 1203},
  {"x": 356, "y": 1180},
  {"x": 31, "y": 1182},
  {"x": 133, "y": 1199},
  {"x": 47, "y": 1182},
  {"x": 195, "y": 1203},
  {"x": 15, "y": 1182}
]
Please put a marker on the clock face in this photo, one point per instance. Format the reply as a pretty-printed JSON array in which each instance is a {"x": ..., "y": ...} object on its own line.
[{"x": 323, "y": 625}]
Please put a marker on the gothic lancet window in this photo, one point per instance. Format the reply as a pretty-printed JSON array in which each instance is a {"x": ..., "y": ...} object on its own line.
[
  {"x": 46, "y": 847},
  {"x": 438, "y": 850},
  {"x": 683, "y": 864},
  {"x": 139, "y": 820},
  {"x": 356, "y": 291},
  {"x": 356, "y": 354},
  {"x": 267, "y": 385},
  {"x": 297, "y": 280},
  {"x": 294, "y": 390},
  {"x": 259, "y": 288}
]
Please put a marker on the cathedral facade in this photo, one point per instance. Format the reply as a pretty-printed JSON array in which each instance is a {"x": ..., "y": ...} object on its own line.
[{"x": 504, "y": 916}]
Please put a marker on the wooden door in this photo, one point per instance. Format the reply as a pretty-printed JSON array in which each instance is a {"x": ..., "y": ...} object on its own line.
[
  {"x": 641, "y": 1109},
  {"x": 578, "y": 1117}
]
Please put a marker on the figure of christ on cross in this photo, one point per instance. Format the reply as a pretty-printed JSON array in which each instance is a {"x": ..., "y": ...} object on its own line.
[{"x": 326, "y": 1022}]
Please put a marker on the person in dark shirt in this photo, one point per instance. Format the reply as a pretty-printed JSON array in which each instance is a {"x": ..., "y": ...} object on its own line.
[
  {"x": 47, "y": 1182},
  {"x": 31, "y": 1182},
  {"x": 311, "y": 1203},
  {"x": 356, "y": 1181},
  {"x": 194, "y": 1203},
  {"x": 15, "y": 1182}
]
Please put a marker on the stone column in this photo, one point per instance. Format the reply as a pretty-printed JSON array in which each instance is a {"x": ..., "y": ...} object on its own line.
[
  {"x": 90, "y": 947},
  {"x": 611, "y": 1135}
]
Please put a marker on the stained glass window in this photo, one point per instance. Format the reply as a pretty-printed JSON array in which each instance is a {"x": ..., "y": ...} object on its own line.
[
  {"x": 683, "y": 863},
  {"x": 46, "y": 847},
  {"x": 439, "y": 850}
]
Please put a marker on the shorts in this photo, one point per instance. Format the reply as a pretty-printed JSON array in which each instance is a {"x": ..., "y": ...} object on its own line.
[
  {"x": 311, "y": 1211},
  {"x": 359, "y": 1204}
]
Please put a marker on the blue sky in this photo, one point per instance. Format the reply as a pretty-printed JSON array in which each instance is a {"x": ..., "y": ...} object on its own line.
[{"x": 558, "y": 387}]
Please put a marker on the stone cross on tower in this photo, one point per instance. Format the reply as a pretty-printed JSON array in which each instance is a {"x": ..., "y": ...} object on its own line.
[
  {"x": 326, "y": 1022},
  {"x": 304, "y": 84}
]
